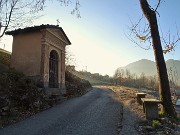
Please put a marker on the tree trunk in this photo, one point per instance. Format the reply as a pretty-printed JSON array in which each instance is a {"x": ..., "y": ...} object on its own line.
[
  {"x": 164, "y": 89},
  {"x": 0, "y": 27}
]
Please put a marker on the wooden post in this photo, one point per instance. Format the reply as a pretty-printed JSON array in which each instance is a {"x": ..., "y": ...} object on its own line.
[
  {"x": 150, "y": 107},
  {"x": 139, "y": 96}
]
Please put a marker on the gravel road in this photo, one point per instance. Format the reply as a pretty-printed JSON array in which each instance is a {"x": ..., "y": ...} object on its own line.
[{"x": 96, "y": 113}]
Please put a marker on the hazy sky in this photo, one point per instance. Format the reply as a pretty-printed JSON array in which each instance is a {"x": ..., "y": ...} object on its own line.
[{"x": 98, "y": 38}]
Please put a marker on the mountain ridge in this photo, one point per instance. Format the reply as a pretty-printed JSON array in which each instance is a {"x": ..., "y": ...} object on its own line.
[{"x": 149, "y": 67}]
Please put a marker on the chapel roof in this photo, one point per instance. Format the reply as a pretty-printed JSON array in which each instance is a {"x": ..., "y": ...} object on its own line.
[{"x": 36, "y": 28}]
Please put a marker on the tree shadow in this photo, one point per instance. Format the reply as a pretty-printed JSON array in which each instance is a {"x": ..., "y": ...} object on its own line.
[{"x": 132, "y": 113}]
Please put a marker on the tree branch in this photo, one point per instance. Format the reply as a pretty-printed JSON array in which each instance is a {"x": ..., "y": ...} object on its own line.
[
  {"x": 159, "y": 2},
  {"x": 9, "y": 17}
]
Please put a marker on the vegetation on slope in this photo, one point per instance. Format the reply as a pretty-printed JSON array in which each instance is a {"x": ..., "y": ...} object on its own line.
[
  {"x": 5, "y": 57},
  {"x": 21, "y": 98},
  {"x": 75, "y": 86},
  {"x": 94, "y": 79}
]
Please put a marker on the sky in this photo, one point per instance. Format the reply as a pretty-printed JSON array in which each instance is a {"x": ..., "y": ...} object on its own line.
[{"x": 99, "y": 38}]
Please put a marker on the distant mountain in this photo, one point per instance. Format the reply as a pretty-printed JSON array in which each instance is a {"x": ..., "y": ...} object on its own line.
[
  {"x": 149, "y": 67},
  {"x": 142, "y": 66}
]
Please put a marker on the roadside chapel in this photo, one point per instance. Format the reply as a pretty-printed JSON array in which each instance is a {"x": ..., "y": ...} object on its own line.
[{"x": 39, "y": 52}]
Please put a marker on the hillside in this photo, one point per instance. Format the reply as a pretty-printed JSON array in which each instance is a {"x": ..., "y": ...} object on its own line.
[
  {"x": 5, "y": 57},
  {"x": 94, "y": 79},
  {"x": 21, "y": 98},
  {"x": 149, "y": 67},
  {"x": 138, "y": 67}
]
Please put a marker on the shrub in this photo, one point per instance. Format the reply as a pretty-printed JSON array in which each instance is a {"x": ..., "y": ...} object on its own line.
[
  {"x": 156, "y": 123},
  {"x": 161, "y": 113},
  {"x": 75, "y": 86},
  {"x": 21, "y": 91}
]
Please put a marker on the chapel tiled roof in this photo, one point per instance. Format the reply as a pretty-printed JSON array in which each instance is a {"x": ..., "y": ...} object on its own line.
[{"x": 36, "y": 28}]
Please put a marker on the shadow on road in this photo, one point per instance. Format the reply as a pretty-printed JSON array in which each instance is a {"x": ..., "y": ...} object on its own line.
[{"x": 132, "y": 111}]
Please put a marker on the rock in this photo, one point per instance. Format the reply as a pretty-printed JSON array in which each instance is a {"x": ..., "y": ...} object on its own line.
[
  {"x": 149, "y": 128},
  {"x": 164, "y": 120},
  {"x": 3, "y": 102},
  {"x": 161, "y": 133},
  {"x": 3, "y": 113},
  {"x": 5, "y": 109},
  {"x": 177, "y": 133}
]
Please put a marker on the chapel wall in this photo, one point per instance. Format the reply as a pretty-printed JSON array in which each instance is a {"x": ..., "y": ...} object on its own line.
[{"x": 26, "y": 53}]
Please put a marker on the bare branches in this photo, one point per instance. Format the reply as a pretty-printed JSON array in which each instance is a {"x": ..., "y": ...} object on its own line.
[
  {"x": 169, "y": 43},
  {"x": 14, "y": 11},
  {"x": 65, "y": 2},
  {"x": 140, "y": 31},
  {"x": 39, "y": 5},
  {"x": 18, "y": 13},
  {"x": 8, "y": 18},
  {"x": 76, "y": 8},
  {"x": 140, "y": 34},
  {"x": 158, "y": 4}
]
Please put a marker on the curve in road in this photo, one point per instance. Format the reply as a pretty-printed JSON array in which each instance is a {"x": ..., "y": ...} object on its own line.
[{"x": 96, "y": 113}]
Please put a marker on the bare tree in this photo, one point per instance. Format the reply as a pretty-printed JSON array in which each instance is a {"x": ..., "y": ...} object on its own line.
[
  {"x": 19, "y": 13},
  {"x": 121, "y": 75},
  {"x": 149, "y": 35},
  {"x": 173, "y": 81},
  {"x": 70, "y": 59},
  {"x": 15, "y": 13},
  {"x": 164, "y": 88},
  {"x": 116, "y": 76},
  {"x": 143, "y": 79},
  {"x": 153, "y": 82}
]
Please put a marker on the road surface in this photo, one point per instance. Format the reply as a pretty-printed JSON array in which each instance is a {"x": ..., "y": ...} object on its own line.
[{"x": 96, "y": 113}]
